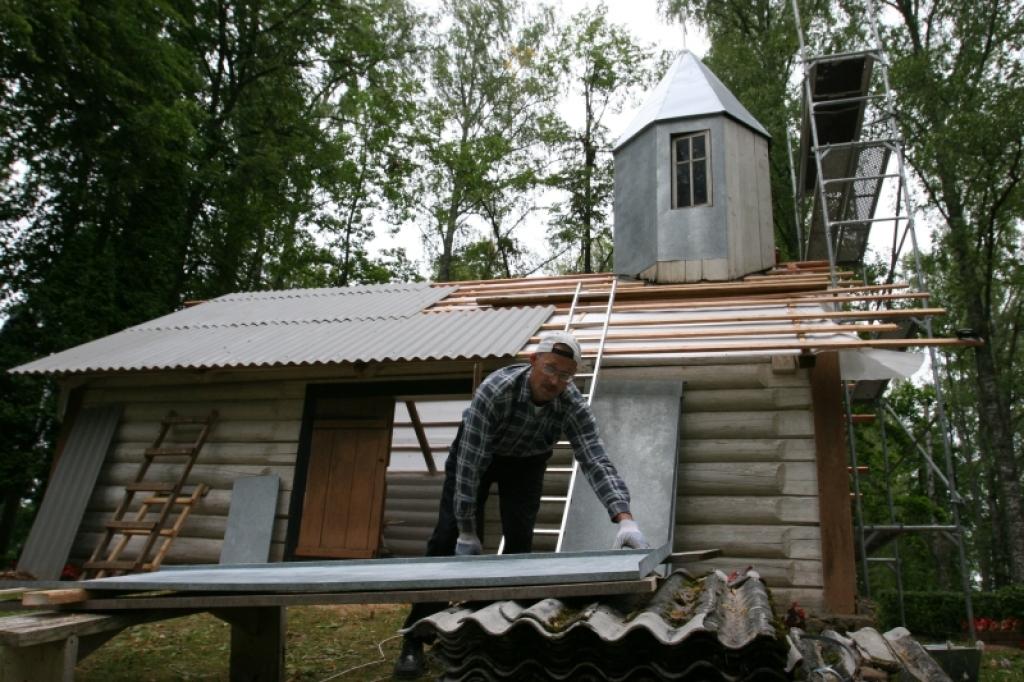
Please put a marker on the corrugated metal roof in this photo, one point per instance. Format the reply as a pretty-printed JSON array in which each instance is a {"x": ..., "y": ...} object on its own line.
[
  {"x": 688, "y": 89},
  {"x": 707, "y": 629},
  {"x": 420, "y": 336}
]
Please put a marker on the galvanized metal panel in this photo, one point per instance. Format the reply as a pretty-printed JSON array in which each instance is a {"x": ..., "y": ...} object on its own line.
[
  {"x": 639, "y": 422},
  {"x": 67, "y": 494},
  {"x": 688, "y": 89},
  {"x": 445, "y": 335},
  {"x": 250, "y": 520},
  {"x": 396, "y": 574}
]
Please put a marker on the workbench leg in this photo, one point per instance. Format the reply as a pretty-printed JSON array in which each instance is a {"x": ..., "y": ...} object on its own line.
[
  {"x": 257, "y": 643},
  {"x": 49, "y": 662}
]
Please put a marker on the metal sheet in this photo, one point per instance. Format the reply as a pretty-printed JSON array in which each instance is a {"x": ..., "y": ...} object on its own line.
[
  {"x": 67, "y": 494},
  {"x": 688, "y": 89},
  {"x": 250, "y": 520},
  {"x": 396, "y": 574},
  {"x": 639, "y": 423},
  {"x": 423, "y": 336}
]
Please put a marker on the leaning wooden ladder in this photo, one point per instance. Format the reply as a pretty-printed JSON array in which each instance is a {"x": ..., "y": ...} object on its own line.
[{"x": 168, "y": 500}]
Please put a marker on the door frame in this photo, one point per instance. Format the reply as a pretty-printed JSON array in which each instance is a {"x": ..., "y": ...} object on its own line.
[{"x": 456, "y": 388}]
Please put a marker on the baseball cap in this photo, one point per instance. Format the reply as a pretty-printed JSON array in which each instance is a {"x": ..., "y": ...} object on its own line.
[{"x": 549, "y": 340}]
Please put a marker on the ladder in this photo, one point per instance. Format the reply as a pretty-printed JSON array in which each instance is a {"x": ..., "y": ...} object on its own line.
[
  {"x": 588, "y": 394},
  {"x": 169, "y": 501}
]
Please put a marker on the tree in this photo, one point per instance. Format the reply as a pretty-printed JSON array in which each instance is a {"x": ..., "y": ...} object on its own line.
[
  {"x": 604, "y": 67},
  {"x": 959, "y": 77},
  {"x": 485, "y": 116},
  {"x": 156, "y": 152}
]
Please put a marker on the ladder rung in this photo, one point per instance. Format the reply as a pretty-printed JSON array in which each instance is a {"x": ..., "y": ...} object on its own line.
[
  {"x": 109, "y": 565},
  {"x": 563, "y": 444},
  {"x": 559, "y": 470},
  {"x": 860, "y": 221},
  {"x": 186, "y": 451},
  {"x": 554, "y": 498},
  {"x": 545, "y": 531},
  {"x": 185, "y": 420},
  {"x": 832, "y": 181},
  {"x": 584, "y": 375},
  {"x": 164, "y": 532},
  {"x": 131, "y": 525},
  {"x": 162, "y": 499},
  {"x": 150, "y": 486}
]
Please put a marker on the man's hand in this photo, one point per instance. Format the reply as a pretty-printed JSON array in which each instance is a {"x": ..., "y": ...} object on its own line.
[
  {"x": 467, "y": 544},
  {"x": 629, "y": 535}
]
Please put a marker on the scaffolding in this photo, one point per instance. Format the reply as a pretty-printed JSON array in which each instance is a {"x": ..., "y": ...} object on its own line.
[{"x": 851, "y": 154}]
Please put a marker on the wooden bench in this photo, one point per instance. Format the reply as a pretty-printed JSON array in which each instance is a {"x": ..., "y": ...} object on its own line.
[{"x": 45, "y": 646}]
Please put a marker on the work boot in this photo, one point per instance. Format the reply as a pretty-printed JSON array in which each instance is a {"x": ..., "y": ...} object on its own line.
[{"x": 409, "y": 665}]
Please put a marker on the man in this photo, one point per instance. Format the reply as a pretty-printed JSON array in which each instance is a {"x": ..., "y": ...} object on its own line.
[{"x": 506, "y": 436}]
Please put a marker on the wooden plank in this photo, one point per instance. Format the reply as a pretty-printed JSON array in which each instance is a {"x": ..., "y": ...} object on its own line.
[
  {"x": 632, "y": 321},
  {"x": 421, "y": 435},
  {"x": 683, "y": 558},
  {"x": 219, "y": 601},
  {"x": 54, "y": 597},
  {"x": 257, "y": 642},
  {"x": 723, "y": 331},
  {"x": 837, "y": 552}
]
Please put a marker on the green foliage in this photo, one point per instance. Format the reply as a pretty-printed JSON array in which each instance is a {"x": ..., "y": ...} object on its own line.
[
  {"x": 943, "y": 614},
  {"x": 604, "y": 66},
  {"x": 485, "y": 122}
]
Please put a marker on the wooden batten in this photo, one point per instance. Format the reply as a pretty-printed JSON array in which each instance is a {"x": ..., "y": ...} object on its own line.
[{"x": 837, "y": 552}]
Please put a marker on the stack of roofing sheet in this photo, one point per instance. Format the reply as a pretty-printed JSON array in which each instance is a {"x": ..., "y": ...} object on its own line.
[{"x": 708, "y": 629}]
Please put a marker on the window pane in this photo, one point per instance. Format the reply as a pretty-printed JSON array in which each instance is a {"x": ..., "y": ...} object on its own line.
[
  {"x": 682, "y": 149},
  {"x": 698, "y": 146},
  {"x": 682, "y": 185},
  {"x": 700, "y": 182}
]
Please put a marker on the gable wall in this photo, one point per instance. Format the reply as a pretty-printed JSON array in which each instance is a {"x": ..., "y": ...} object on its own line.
[{"x": 747, "y": 474}]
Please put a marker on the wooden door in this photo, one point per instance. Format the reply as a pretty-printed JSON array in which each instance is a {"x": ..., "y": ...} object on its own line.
[{"x": 343, "y": 507}]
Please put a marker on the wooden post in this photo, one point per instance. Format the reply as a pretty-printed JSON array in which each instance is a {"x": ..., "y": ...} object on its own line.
[
  {"x": 257, "y": 643},
  {"x": 838, "y": 564},
  {"x": 421, "y": 436}
]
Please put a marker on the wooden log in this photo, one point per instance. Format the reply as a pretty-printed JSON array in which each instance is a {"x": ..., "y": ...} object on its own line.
[
  {"x": 724, "y": 450},
  {"x": 777, "y": 424},
  {"x": 749, "y": 510},
  {"x": 228, "y": 410},
  {"x": 183, "y": 388},
  {"x": 744, "y": 373},
  {"x": 196, "y": 526},
  {"x": 756, "y": 542},
  {"x": 217, "y": 502},
  {"x": 747, "y": 399},
  {"x": 251, "y": 454},
  {"x": 750, "y": 479},
  {"x": 217, "y": 477},
  {"x": 229, "y": 431}
]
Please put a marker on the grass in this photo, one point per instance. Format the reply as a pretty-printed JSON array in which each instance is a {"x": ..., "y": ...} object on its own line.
[{"x": 324, "y": 643}]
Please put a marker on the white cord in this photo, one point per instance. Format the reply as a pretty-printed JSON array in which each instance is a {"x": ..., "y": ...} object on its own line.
[{"x": 380, "y": 649}]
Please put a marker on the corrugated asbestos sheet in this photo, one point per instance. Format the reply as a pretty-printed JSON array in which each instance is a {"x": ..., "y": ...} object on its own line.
[
  {"x": 304, "y": 327},
  {"x": 863, "y": 655},
  {"x": 708, "y": 629},
  {"x": 67, "y": 493}
]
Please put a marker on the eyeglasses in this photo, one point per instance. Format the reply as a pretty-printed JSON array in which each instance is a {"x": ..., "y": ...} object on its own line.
[{"x": 553, "y": 371}]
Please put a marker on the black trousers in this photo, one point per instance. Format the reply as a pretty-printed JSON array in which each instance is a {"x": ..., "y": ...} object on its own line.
[{"x": 520, "y": 481}]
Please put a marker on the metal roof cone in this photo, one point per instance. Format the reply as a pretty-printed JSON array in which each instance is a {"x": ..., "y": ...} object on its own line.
[{"x": 687, "y": 90}]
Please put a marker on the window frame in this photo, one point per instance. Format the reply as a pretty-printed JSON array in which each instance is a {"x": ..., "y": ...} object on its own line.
[{"x": 689, "y": 136}]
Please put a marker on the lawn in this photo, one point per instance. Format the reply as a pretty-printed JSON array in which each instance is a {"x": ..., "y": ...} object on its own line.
[{"x": 345, "y": 643}]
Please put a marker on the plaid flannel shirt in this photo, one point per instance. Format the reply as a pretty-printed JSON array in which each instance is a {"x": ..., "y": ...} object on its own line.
[{"x": 501, "y": 422}]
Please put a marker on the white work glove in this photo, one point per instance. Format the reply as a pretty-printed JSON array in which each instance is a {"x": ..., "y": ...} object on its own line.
[
  {"x": 629, "y": 535},
  {"x": 467, "y": 544}
]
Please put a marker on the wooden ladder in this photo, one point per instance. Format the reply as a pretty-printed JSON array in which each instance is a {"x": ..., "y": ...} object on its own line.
[{"x": 168, "y": 500}]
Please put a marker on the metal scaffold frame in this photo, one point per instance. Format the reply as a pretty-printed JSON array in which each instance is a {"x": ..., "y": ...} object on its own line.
[{"x": 845, "y": 202}]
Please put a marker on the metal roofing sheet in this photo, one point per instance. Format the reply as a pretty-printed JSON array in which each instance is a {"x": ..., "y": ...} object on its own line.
[
  {"x": 688, "y": 89},
  {"x": 396, "y": 574},
  {"x": 420, "y": 336}
]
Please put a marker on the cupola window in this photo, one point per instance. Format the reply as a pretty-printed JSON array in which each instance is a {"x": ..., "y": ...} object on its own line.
[{"x": 690, "y": 166}]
